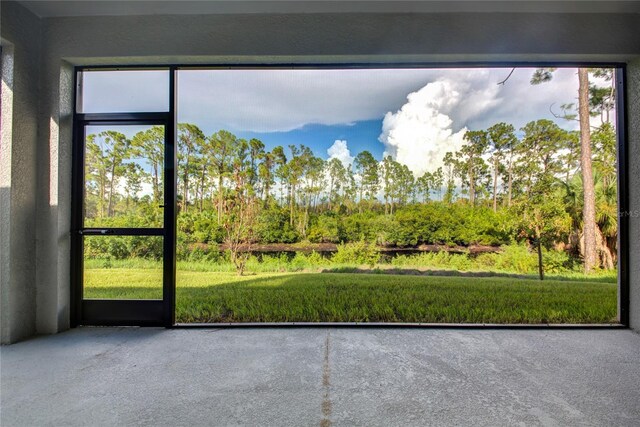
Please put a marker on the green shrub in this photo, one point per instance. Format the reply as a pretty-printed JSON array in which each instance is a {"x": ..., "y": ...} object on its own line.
[
  {"x": 274, "y": 263},
  {"x": 359, "y": 253},
  {"x": 456, "y": 224},
  {"x": 209, "y": 253},
  {"x": 359, "y": 227},
  {"x": 519, "y": 258},
  {"x": 516, "y": 258},
  {"x": 274, "y": 226},
  {"x": 123, "y": 247},
  {"x": 386, "y": 230},
  {"x": 439, "y": 259},
  {"x": 557, "y": 261},
  {"x": 324, "y": 229},
  {"x": 206, "y": 228},
  {"x": 301, "y": 261}
]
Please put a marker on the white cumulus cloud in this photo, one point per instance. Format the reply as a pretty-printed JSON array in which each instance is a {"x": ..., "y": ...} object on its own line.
[
  {"x": 420, "y": 132},
  {"x": 340, "y": 151}
]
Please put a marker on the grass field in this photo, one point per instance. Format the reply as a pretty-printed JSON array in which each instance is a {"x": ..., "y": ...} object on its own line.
[{"x": 356, "y": 297}]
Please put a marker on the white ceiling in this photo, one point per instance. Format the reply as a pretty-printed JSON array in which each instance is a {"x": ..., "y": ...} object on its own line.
[{"x": 53, "y": 8}]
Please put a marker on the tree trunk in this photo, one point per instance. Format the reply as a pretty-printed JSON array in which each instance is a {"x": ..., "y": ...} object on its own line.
[
  {"x": 291, "y": 203},
  {"x": 510, "y": 186},
  {"x": 185, "y": 192},
  {"x": 267, "y": 189},
  {"x": 202, "y": 189},
  {"x": 540, "y": 268},
  {"x": 605, "y": 255},
  {"x": 472, "y": 189},
  {"x": 331, "y": 184},
  {"x": 495, "y": 184},
  {"x": 220, "y": 196},
  {"x": 111, "y": 184},
  {"x": 588, "y": 211},
  {"x": 102, "y": 195},
  {"x": 611, "y": 94},
  {"x": 185, "y": 182},
  {"x": 306, "y": 218},
  {"x": 156, "y": 185}
]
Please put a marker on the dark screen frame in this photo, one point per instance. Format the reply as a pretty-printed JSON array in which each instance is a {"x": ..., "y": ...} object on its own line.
[{"x": 162, "y": 312}]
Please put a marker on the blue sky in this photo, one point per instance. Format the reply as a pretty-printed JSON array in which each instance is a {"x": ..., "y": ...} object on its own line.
[
  {"x": 362, "y": 135},
  {"x": 415, "y": 115}
]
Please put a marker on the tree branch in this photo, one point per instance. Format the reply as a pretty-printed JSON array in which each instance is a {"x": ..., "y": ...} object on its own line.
[
  {"x": 566, "y": 117},
  {"x": 505, "y": 80}
]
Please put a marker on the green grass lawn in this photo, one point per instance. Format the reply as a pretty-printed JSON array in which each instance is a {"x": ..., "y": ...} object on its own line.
[{"x": 347, "y": 297}]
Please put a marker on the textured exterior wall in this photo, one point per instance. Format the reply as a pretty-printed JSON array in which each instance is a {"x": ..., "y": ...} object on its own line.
[
  {"x": 272, "y": 38},
  {"x": 633, "y": 125},
  {"x": 21, "y": 30}
]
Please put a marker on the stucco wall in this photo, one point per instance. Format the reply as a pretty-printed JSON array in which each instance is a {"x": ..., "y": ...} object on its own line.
[
  {"x": 280, "y": 38},
  {"x": 21, "y": 36}
]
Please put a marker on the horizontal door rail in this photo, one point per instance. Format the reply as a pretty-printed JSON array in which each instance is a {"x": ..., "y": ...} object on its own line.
[
  {"x": 121, "y": 232},
  {"x": 122, "y": 312},
  {"x": 123, "y": 118}
]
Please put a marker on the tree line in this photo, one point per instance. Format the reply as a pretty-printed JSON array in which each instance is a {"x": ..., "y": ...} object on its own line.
[{"x": 534, "y": 174}]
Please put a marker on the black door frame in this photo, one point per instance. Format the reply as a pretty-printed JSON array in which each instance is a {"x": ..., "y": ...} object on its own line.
[{"x": 124, "y": 312}]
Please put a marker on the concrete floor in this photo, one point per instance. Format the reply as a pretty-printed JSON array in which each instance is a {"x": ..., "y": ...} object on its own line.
[{"x": 332, "y": 376}]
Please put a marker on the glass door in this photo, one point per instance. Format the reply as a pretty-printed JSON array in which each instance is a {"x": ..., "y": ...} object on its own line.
[{"x": 124, "y": 244}]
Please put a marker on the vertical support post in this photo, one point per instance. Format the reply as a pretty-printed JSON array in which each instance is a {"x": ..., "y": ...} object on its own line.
[
  {"x": 170, "y": 182},
  {"x": 77, "y": 215},
  {"x": 623, "y": 197},
  {"x": 77, "y": 244}
]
